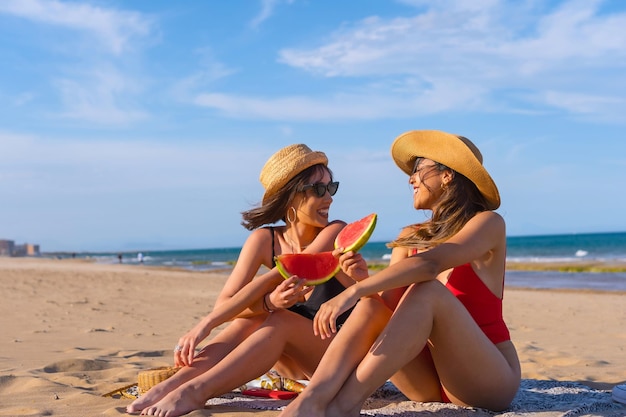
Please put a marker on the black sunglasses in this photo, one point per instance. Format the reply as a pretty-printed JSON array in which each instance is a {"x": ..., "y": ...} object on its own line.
[{"x": 319, "y": 188}]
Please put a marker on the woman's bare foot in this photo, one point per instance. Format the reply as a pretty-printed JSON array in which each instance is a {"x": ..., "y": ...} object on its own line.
[
  {"x": 155, "y": 394},
  {"x": 176, "y": 403},
  {"x": 335, "y": 410},
  {"x": 303, "y": 406}
]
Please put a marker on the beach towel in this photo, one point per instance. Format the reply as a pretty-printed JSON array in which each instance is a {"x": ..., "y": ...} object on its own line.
[{"x": 534, "y": 398}]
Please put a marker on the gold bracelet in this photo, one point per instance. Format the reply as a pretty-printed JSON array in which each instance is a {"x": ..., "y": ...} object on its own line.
[{"x": 266, "y": 307}]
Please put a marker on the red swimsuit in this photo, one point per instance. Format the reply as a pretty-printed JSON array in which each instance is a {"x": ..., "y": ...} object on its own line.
[{"x": 483, "y": 305}]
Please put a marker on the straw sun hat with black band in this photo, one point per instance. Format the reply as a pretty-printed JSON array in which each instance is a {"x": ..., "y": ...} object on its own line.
[
  {"x": 286, "y": 164},
  {"x": 456, "y": 152}
]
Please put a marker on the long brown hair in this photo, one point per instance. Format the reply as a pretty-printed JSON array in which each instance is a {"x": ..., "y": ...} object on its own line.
[
  {"x": 276, "y": 207},
  {"x": 459, "y": 202}
]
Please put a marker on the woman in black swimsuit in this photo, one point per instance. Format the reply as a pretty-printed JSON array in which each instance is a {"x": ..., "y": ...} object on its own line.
[{"x": 271, "y": 317}]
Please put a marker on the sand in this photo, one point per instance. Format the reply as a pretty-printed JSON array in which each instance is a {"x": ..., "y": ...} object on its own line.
[{"x": 73, "y": 330}]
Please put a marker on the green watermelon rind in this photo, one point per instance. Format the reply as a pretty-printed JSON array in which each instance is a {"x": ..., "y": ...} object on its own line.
[
  {"x": 362, "y": 240},
  {"x": 309, "y": 282}
]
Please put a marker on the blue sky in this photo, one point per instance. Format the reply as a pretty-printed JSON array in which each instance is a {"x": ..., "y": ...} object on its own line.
[{"x": 143, "y": 125}]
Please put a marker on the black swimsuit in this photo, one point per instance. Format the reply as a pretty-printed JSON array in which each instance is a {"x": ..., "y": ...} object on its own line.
[{"x": 320, "y": 294}]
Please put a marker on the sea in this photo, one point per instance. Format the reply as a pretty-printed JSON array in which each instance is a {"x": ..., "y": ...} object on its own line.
[{"x": 573, "y": 248}]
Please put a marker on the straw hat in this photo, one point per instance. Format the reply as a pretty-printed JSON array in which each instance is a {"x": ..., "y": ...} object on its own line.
[
  {"x": 455, "y": 152},
  {"x": 286, "y": 164}
]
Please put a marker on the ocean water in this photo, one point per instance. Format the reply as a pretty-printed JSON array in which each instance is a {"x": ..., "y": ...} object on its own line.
[{"x": 601, "y": 247}]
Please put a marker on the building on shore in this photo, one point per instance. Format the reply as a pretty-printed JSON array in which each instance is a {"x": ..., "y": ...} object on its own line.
[
  {"x": 6, "y": 247},
  {"x": 9, "y": 248}
]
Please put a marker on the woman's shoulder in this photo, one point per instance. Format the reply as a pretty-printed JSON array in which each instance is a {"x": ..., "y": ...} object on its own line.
[
  {"x": 407, "y": 231},
  {"x": 488, "y": 227},
  {"x": 336, "y": 222},
  {"x": 262, "y": 235},
  {"x": 332, "y": 228},
  {"x": 488, "y": 218}
]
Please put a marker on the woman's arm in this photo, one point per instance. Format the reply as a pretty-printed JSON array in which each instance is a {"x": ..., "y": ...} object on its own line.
[
  {"x": 325, "y": 239},
  {"x": 250, "y": 295},
  {"x": 392, "y": 296},
  {"x": 356, "y": 267},
  {"x": 256, "y": 251},
  {"x": 227, "y": 310},
  {"x": 479, "y": 236},
  {"x": 235, "y": 302}
]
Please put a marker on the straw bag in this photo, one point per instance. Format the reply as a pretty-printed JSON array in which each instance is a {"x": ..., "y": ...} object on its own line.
[
  {"x": 151, "y": 377},
  {"x": 145, "y": 380}
]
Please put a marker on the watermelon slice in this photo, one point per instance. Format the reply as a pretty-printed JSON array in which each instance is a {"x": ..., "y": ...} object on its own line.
[
  {"x": 355, "y": 235},
  {"x": 315, "y": 268}
]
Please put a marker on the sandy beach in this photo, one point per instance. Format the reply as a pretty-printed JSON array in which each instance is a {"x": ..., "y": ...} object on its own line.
[{"x": 74, "y": 330}]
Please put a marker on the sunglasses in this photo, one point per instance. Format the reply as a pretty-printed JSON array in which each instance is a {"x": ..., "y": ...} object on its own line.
[{"x": 319, "y": 188}]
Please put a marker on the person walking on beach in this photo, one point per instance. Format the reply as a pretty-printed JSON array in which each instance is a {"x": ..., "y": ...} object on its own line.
[
  {"x": 446, "y": 339},
  {"x": 272, "y": 324}
]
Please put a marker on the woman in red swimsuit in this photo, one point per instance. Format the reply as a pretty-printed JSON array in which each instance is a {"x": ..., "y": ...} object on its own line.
[{"x": 446, "y": 339}]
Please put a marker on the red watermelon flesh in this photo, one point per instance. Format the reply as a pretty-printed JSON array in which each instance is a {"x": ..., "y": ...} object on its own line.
[
  {"x": 355, "y": 235},
  {"x": 314, "y": 268}
]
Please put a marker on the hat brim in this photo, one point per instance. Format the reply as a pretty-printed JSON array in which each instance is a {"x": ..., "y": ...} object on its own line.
[
  {"x": 287, "y": 171},
  {"x": 449, "y": 150}
]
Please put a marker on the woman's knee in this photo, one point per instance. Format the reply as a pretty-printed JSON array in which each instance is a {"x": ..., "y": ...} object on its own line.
[
  {"x": 427, "y": 291},
  {"x": 370, "y": 309},
  {"x": 371, "y": 304},
  {"x": 425, "y": 299},
  {"x": 285, "y": 322},
  {"x": 368, "y": 318}
]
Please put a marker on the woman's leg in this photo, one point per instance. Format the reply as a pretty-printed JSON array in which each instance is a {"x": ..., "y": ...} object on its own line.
[
  {"x": 283, "y": 332},
  {"x": 418, "y": 379},
  {"x": 349, "y": 346},
  {"x": 287, "y": 368},
  {"x": 217, "y": 348},
  {"x": 471, "y": 369}
]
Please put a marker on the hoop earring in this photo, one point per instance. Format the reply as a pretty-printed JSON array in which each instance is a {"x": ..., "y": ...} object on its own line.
[{"x": 295, "y": 214}]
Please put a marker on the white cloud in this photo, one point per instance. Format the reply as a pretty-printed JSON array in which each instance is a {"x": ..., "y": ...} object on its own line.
[
  {"x": 267, "y": 10},
  {"x": 484, "y": 50},
  {"x": 209, "y": 70},
  {"x": 87, "y": 60},
  {"x": 113, "y": 28},
  {"x": 102, "y": 96},
  {"x": 609, "y": 109},
  {"x": 485, "y": 42},
  {"x": 295, "y": 108},
  {"x": 378, "y": 102},
  {"x": 23, "y": 98},
  {"x": 50, "y": 165},
  {"x": 452, "y": 4}
]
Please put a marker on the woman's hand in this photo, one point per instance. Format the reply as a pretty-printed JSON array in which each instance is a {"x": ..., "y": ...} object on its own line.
[
  {"x": 288, "y": 293},
  {"x": 325, "y": 321},
  {"x": 185, "y": 349},
  {"x": 352, "y": 264}
]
